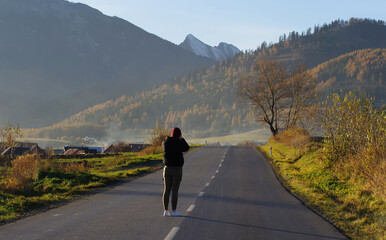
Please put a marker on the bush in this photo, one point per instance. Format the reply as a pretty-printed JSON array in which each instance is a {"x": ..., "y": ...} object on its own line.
[
  {"x": 159, "y": 135},
  {"x": 150, "y": 150},
  {"x": 24, "y": 172},
  {"x": 355, "y": 141}
]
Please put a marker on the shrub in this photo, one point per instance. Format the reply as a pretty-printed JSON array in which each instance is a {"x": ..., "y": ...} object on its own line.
[
  {"x": 75, "y": 167},
  {"x": 24, "y": 172},
  {"x": 159, "y": 135},
  {"x": 355, "y": 141},
  {"x": 150, "y": 150}
]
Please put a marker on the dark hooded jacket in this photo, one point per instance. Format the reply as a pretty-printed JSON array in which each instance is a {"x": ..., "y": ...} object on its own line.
[{"x": 173, "y": 148}]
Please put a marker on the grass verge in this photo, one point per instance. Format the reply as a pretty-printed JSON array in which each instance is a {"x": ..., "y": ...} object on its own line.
[
  {"x": 346, "y": 203},
  {"x": 65, "y": 179},
  {"x": 59, "y": 180}
]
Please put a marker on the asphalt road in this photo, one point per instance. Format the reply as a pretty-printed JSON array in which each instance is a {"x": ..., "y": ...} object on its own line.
[{"x": 226, "y": 193}]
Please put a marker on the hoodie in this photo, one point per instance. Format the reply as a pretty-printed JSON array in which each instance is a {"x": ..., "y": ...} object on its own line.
[{"x": 173, "y": 148}]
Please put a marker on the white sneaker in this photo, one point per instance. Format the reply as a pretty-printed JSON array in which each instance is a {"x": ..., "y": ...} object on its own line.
[
  {"x": 166, "y": 213},
  {"x": 176, "y": 214}
]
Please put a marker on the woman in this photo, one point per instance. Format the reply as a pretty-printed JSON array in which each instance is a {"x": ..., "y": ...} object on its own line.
[{"x": 173, "y": 160}]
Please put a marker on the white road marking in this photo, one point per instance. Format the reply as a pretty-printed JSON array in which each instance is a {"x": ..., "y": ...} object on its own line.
[
  {"x": 191, "y": 208},
  {"x": 201, "y": 194},
  {"x": 207, "y": 184},
  {"x": 212, "y": 177},
  {"x": 172, "y": 233},
  {"x": 216, "y": 171},
  {"x": 56, "y": 215},
  {"x": 220, "y": 165}
]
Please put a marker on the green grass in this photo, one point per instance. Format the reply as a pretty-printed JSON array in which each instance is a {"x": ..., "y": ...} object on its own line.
[
  {"x": 345, "y": 203},
  {"x": 54, "y": 184}
]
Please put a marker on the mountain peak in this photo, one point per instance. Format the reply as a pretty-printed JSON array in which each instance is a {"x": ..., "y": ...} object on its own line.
[
  {"x": 191, "y": 37},
  {"x": 219, "y": 53}
]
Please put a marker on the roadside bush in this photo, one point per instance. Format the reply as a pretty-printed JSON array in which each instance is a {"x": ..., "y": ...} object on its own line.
[
  {"x": 24, "y": 172},
  {"x": 150, "y": 150},
  {"x": 355, "y": 138},
  {"x": 159, "y": 135}
]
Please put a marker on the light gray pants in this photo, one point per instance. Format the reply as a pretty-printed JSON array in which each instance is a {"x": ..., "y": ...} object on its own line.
[{"x": 172, "y": 179}]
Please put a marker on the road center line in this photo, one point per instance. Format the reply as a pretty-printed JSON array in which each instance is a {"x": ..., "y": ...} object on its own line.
[
  {"x": 207, "y": 184},
  {"x": 172, "y": 233},
  {"x": 212, "y": 177},
  {"x": 201, "y": 194},
  {"x": 216, "y": 171},
  {"x": 191, "y": 207}
]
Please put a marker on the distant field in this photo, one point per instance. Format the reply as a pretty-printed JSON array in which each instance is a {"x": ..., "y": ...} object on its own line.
[{"x": 261, "y": 136}]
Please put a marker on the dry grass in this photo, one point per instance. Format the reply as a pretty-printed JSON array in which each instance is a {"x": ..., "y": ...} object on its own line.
[
  {"x": 294, "y": 137},
  {"x": 150, "y": 150},
  {"x": 74, "y": 167}
]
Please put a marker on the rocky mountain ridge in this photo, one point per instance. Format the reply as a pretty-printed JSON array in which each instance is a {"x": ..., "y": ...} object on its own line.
[{"x": 219, "y": 53}]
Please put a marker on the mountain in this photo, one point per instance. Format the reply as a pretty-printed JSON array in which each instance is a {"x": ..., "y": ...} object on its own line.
[
  {"x": 222, "y": 52},
  {"x": 205, "y": 103},
  {"x": 325, "y": 42},
  {"x": 58, "y": 57}
]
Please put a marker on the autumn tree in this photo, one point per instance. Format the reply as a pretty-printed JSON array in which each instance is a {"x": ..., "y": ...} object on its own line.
[
  {"x": 8, "y": 136},
  {"x": 280, "y": 99},
  {"x": 301, "y": 93}
]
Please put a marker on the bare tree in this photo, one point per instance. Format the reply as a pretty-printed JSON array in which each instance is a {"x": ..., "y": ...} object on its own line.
[
  {"x": 279, "y": 99},
  {"x": 301, "y": 95}
]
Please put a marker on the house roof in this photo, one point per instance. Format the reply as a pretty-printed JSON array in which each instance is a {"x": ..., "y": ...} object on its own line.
[
  {"x": 74, "y": 151},
  {"x": 23, "y": 149}
]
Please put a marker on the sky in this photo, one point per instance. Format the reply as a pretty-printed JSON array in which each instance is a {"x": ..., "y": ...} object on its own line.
[{"x": 243, "y": 23}]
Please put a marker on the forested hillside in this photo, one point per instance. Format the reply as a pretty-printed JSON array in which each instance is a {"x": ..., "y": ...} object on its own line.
[
  {"x": 325, "y": 42},
  {"x": 205, "y": 102},
  {"x": 364, "y": 70}
]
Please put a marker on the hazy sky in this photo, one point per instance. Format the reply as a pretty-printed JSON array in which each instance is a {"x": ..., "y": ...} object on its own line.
[{"x": 243, "y": 23}]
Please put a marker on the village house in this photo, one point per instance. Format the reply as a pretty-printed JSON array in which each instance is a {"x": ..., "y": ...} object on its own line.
[
  {"x": 22, "y": 148},
  {"x": 76, "y": 150},
  {"x": 125, "y": 147}
]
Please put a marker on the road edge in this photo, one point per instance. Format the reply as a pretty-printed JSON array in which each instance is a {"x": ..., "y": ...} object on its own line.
[{"x": 303, "y": 200}]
